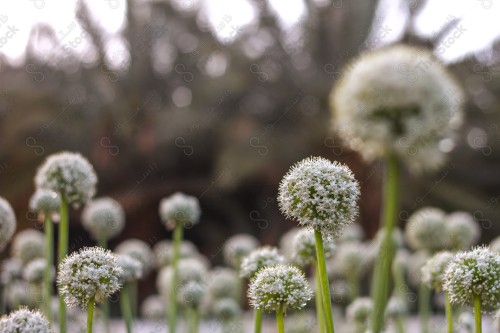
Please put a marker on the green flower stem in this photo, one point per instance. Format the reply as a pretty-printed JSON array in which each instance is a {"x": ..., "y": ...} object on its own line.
[
  {"x": 125, "y": 306},
  {"x": 102, "y": 242},
  {"x": 178, "y": 230},
  {"x": 49, "y": 258},
  {"x": 424, "y": 299},
  {"x": 477, "y": 314},
  {"x": 279, "y": 320},
  {"x": 382, "y": 274},
  {"x": 449, "y": 312},
  {"x": 400, "y": 324},
  {"x": 62, "y": 253},
  {"x": 258, "y": 321},
  {"x": 90, "y": 314},
  {"x": 353, "y": 280},
  {"x": 320, "y": 314},
  {"x": 194, "y": 320},
  {"x": 325, "y": 286},
  {"x": 133, "y": 291}
]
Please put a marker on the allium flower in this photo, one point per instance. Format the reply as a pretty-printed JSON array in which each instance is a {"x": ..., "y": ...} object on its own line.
[
  {"x": 259, "y": 258},
  {"x": 34, "y": 271},
  {"x": 398, "y": 99},
  {"x": 397, "y": 238},
  {"x": 45, "y": 202},
  {"x": 180, "y": 208},
  {"x": 286, "y": 242},
  {"x": 426, "y": 229},
  {"x": 12, "y": 269},
  {"x": 463, "y": 231},
  {"x": 20, "y": 292},
  {"x": 474, "y": 273},
  {"x": 226, "y": 308},
  {"x": 414, "y": 266},
  {"x": 495, "y": 245},
  {"x": 237, "y": 247},
  {"x": 154, "y": 307},
  {"x": 91, "y": 272},
  {"x": 139, "y": 250},
  {"x": 164, "y": 252},
  {"x": 341, "y": 291},
  {"x": 190, "y": 269},
  {"x": 320, "y": 194},
  {"x": 279, "y": 285},
  {"x": 25, "y": 321},
  {"x": 68, "y": 174},
  {"x": 131, "y": 268},
  {"x": 304, "y": 247},
  {"x": 103, "y": 218},
  {"x": 224, "y": 282},
  {"x": 27, "y": 245},
  {"x": 401, "y": 261},
  {"x": 433, "y": 270},
  {"x": 349, "y": 259},
  {"x": 191, "y": 294},
  {"x": 396, "y": 308},
  {"x": 7, "y": 223},
  {"x": 352, "y": 233},
  {"x": 360, "y": 310}
]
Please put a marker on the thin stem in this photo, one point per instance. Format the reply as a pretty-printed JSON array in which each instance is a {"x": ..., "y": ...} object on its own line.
[
  {"x": 195, "y": 320},
  {"x": 102, "y": 242},
  {"x": 175, "y": 277},
  {"x": 90, "y": 314},
  {"x": 325, "y": 286},
  {"x": 49, "y": 259},
  {"x": 62, "y": 252},
  {"x": 449, "y": 312},
  {"x": 125, "y": 307},
  {"x": 279, "y": 320},
  {"x": 258, "y": 321},
  {"x": 424, "y": 295},
  {"x": 400, "y": 324},
  {"x": 477, "y": 314},
  {"x": 353, "y": 281},
  {"x": 133, "y": 291},
  {"x": 382, "y": 274},
  {"x": 320, "y": 314}
]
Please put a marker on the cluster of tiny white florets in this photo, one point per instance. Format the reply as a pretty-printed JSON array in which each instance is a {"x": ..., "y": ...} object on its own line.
[
  {"x": 103, "y": 218},
  {"x": 154, "y": 307},
  {"x": 91, "y": 272},
  {"x": 226, "y": 309},
  {"x": 414, "y": 266},
  {"x": 237, "y": 247},
  {"x": 34, "y": 271},
  {"x": 131, "y": 268},
  {"x": 279, "y": 285},
  {"x": 396, "y": 308},
  {"x": 7, "y": 223},
  {"x": 45, "y": 202},
  {"x": 349, "y": 259},
  {"x": 286, "y": 242},
  {"x": 189, "y": 269},
  {"x": 164, "y": 251},
  {"x": 474, "y": 273},
  {"x": 27, "y": 245},
  {"x": 259, "y": 258},
  {"x": 223, "y": 283},
  {"x": 140, "y": 250},
  {"x": 180, "y": 208},
  {"x": 68, "y": 174},
  {"x": 12, "y": 269},
  {"x": 433, "y": 270},
  {"x": 360, "y": 310},
  {"x": 398, "y": 99},
  {"x": 495, "y": 245},
  {"x": 25, "y": 321},
  {"x": 352, "y": 233},
  {"x": 191, "y": 294},
  {"x": 303, "y": 250},
  {"x": 462, "y": 230},
  {"x": 426, "y": 229},
  {"x": 320, "y": 194}
]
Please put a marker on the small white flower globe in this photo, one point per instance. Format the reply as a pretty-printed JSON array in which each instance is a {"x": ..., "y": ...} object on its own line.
[
  {"x": 25, "y": 321},
  {"x": 180, "y": 208},
  {"x": 103, "y": 218},
  {"x": 7, "y": 223}
]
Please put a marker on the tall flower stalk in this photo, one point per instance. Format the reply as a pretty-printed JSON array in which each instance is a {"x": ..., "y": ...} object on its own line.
[
  {"x": 177, "y": 211},
  {"x": 323, "y": 196},
  {"x": 131, "y": 270}
]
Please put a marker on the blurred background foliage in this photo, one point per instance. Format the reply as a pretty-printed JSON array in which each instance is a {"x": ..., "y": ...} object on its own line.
[{"x": 182, "y": 109}]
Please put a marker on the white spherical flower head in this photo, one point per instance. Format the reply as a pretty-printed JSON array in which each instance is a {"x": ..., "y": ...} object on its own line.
[
  {"x": 259, "y": 258},
  {"x": 320, "y": 194},
  {"x": 25, "y": 321},
  {"x": 352, "y": 233},
  {"x": 34, "y": 271},
  {"x": 164, "y": 252},
  {"x": 140, "y": 250},
  {"x": 180, "y": 208},
  {"x": 286, "y": 242},
  {"x": 237, "y": 247},
  {"x": 12, "y": 269},
  {"x": 426, "y": 229},
  {"x": 398, "y": 99},
  {"x": 433, "y": 270},
  {"x": 360, "y": 310},
  {"x": 91, "y": 272},
  {"x": 226, "y": 308},
  {"x": 68, "y": 174},
  {"x": 304, "y": 247},
  {"x": 224, "y": 282},
  {"x": 103, "y": 218},
  {"x": 7, "y": 223},
  {"x": 279, "y": 286},
  {"x": 131, "y": 268},
  {"x": 414, "y": 266},
  {"x": 463, "y": 231},
  {"x": 495, "y": 245},
  {"x": 189, "y": 269},
  {"x": 27, "y": 245},
  {"x": 45, "y": 202},
  {"x": 474, "y": 273},
  {"x": 350, "y": 259},
  {"x": 154, "y": 308},
  {"x": 191, "y": 294},
  {"x": 396, "y": 308}
]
